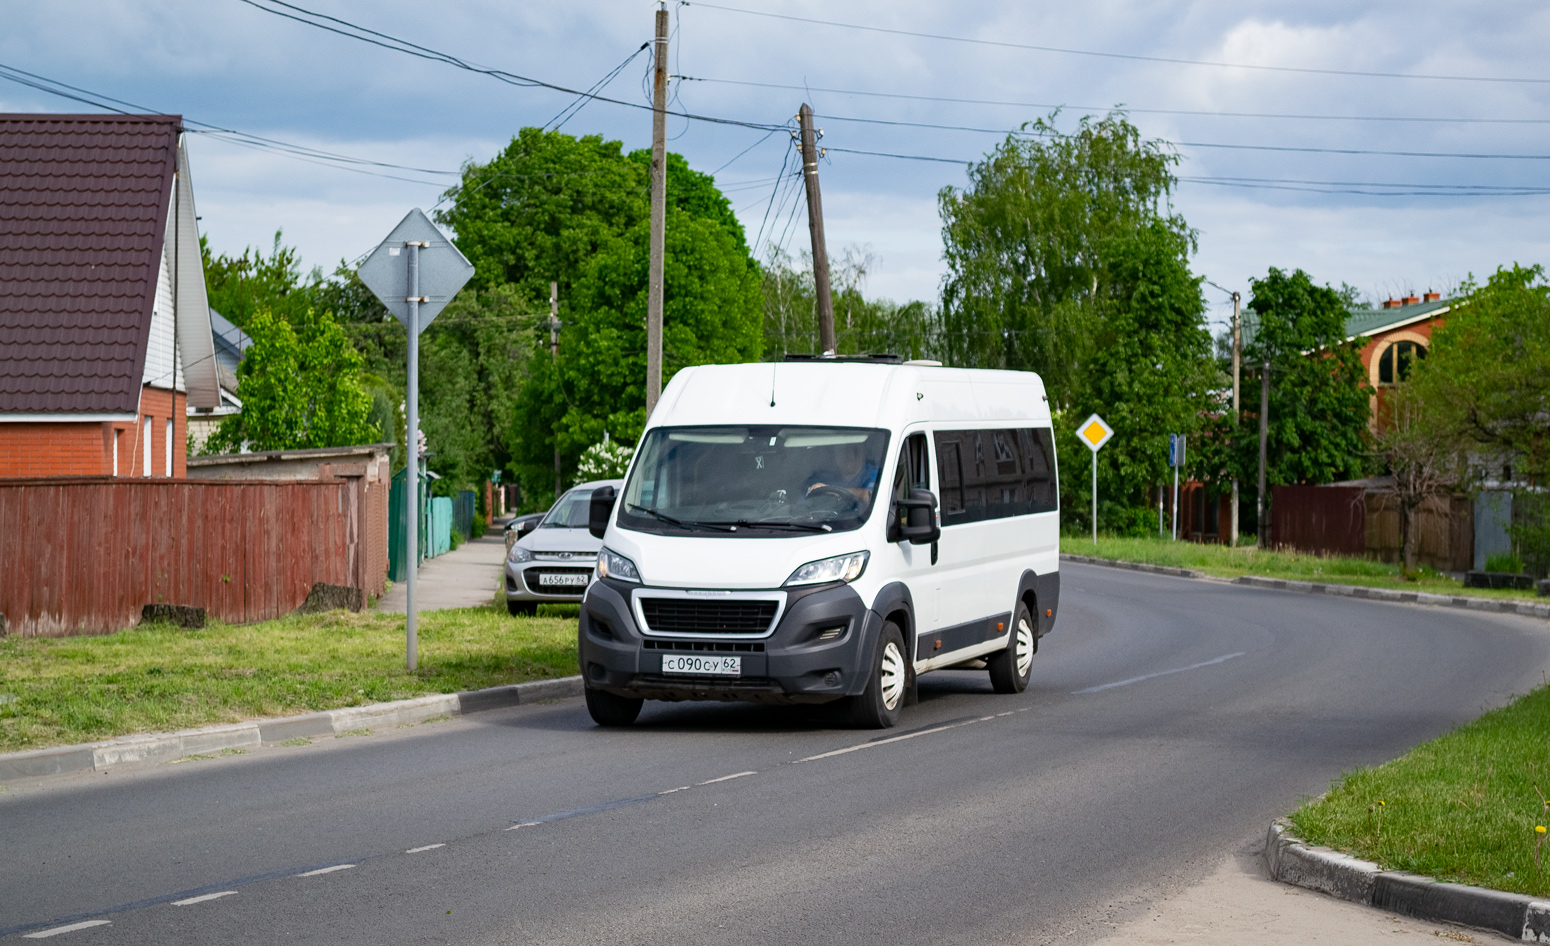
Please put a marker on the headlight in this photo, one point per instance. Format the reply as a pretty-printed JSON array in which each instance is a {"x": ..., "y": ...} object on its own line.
[
  {"x": 520, "y": 554},
  {"x": 611, "y": 564},
  {"x": 839, "y": 568}
]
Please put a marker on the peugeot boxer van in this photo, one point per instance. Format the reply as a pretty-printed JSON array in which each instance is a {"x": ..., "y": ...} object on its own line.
[{"x": 825, "y": 530}]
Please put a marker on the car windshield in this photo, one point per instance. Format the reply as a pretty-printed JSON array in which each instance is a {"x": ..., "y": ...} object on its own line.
[
  {"x": 570, "y": 512},
  {"x": 753, "y": 480}
]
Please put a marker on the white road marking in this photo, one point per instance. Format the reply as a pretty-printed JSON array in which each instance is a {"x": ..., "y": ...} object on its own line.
[
  {"x": 880, "y": 742},
  {"x": 1160, "y": 673},
  {"x": 727, "y": 778},
  {"x": 84, "y": 924},
  {"x": 525, "y": 824},
  {"x": 681, "y": 788},
  {"x": 325, "y": 870},
  {"x": 201, "y": 899},
  {"x": 428, "y": 847}
]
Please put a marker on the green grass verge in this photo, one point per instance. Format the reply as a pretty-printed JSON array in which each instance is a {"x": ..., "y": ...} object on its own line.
[
  {"x": 1465, "y": 807},
  {"x": 1225, "y": 562},
  {"x": 153, "y": 678}
]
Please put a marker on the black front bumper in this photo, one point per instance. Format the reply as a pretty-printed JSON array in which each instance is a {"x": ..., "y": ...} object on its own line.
[{"x": 791, "y": 665}]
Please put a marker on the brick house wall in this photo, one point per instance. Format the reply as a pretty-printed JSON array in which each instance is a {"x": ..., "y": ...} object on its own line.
[{"x": 87, "y": 448}]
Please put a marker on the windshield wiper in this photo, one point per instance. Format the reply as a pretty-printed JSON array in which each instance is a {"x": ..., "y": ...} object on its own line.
[
  {"x": 782, "y": 524},
  {"x": 684, "y": 523}
]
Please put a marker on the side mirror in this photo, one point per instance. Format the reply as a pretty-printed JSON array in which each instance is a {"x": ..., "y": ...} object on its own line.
[
  {"x": 914, "y": 520},
  {"x": 602, "y": 507}
]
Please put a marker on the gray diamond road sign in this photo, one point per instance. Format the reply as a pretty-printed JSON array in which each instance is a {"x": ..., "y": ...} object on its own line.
[{"x": 443, "y": 269}]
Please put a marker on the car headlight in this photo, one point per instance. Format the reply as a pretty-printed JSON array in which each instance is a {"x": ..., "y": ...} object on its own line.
[
  {"x": 839, "y": 568},
  {"x": 520, "y": 554},
  {"x": 611, "y": 564}
]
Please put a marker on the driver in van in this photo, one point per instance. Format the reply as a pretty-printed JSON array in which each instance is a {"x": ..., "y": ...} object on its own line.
[{"x": 852, "y": 473}]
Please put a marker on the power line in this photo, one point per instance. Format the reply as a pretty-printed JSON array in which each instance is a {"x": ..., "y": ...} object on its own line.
[
  {"x": 231, "y": 135},
  {"x": 581, "y": 100},
  {"x": 1520, "y": 192},
  {"x": 1137, "y": 111},
  {"x": 1128, "y": 56},
  {"x": 363, "y": 34}
]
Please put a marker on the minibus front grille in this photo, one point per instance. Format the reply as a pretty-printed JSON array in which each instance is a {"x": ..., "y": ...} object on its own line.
[{"x": 688, "y": 616}]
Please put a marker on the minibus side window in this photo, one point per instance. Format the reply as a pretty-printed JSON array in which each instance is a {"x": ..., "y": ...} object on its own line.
[{"x": 1012, "y": 473}]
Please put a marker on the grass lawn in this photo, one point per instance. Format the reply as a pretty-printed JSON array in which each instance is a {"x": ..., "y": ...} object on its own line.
[
  {"x": 154, "y": 678},
  {"x": 1224, "y": 562},
  {"x": 1465, "y": 807}
]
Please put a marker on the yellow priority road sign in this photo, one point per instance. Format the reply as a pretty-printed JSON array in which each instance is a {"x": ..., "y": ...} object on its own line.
[{"x": 1094, "y": 432}]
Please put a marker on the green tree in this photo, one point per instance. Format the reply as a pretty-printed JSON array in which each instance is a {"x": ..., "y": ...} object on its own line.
[
  {"x": 574, "y": 211},
  {"x": 1028, "y": 245},
  {"x": 1064, "y": 257},
  {"x": 240, "y": 287},
  {"x": 300, "y": 386},
  {"x": 861, "y": 325},
  {"x": 1318, "y": 426},
  {"x": 1486, "y": 386}
]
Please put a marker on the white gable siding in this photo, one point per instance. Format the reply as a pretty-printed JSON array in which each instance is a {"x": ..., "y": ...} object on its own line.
[{"x": 159, "y": 350}]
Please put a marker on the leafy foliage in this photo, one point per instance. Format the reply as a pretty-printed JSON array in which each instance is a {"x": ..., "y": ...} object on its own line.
[
  {"x": 240, "y": 287},
  {"x": 574, "y": 211},
  {"x": 1064, "y": 258},
  {"x": 1487, "y": 375},
  {"x": 1318, "y": 388},
  {"x": 861, "y": 325},
  {"x": 1029, "y": 241},
  {"x": 300, "y": 386},
  {"x": 607, "y": 460}
]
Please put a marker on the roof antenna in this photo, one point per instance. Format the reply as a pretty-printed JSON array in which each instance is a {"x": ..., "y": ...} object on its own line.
[{"x": 773, "y": 366}]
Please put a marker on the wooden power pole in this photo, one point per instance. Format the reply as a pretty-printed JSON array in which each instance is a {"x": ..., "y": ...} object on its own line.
[
  {"x": 822, "y": 296},
  {"x": 658, "y": 213},
  {"x": 1237, "y": 409}
]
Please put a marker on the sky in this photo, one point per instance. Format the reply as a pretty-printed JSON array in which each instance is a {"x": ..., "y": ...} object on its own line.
[{"x": 1272, "y": 131}]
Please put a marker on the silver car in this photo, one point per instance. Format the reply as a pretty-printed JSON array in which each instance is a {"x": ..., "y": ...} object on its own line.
[{"x": 554, "y": 562}]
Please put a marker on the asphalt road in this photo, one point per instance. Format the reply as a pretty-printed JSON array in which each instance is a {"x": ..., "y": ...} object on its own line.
[{"x": 1167, "y": 723}]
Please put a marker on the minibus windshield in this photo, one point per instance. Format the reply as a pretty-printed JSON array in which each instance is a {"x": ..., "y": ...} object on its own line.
[{"x": 752, "y": 480}]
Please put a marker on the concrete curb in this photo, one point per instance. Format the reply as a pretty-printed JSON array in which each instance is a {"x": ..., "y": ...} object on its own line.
[
  {"x": 1492, "y": 605},
  {"x": 169, "y": 747},
  {"x": 1134, "y": 566},
  {"x": 1290, "y": 861}
]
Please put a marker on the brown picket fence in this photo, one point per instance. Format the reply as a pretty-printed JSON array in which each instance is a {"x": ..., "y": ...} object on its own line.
[{"x": 85, "y": 555}]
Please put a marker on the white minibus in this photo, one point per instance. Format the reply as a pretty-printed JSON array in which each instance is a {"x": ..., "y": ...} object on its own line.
[{"x": 822, "y": 530}]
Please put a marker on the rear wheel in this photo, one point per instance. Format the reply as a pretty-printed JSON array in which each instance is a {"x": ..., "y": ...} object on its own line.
[
  {"x": 1011, "y": 668},
  {"x": 609, "y": 709},
  {"x": 878, "y": 706}
]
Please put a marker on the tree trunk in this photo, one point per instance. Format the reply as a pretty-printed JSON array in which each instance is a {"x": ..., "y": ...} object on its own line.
[{"x": 1410, "y": 514}]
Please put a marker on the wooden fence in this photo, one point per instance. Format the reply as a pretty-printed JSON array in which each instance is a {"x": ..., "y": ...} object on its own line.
[
  {"x": 84, "y": 555},
  {"x": 1363, "y": 521},
  {"x": 1327, "y": 519}
]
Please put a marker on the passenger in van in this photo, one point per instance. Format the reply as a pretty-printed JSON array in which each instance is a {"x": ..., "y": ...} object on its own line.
[{"x": 852, "y": 473}]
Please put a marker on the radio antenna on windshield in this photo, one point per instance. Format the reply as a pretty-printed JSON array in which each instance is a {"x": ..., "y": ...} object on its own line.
[{"x": 773, "y": 366}]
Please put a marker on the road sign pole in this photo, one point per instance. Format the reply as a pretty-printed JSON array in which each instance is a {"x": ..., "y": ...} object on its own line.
[
  {"x": 1175, "y": 504},
  {"x": 412, "y": 464},
  {"x": 1095, "y": 498}
]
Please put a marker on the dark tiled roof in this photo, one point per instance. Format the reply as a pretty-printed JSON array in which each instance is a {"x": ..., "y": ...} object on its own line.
[
  {"x": 83, "y": 210},
  {"x": 1374, "y": 321}
]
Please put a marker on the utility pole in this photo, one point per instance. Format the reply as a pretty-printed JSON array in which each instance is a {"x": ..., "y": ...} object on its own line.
[
  {"x": 822, "y": 296},
  {"x": 1264, "y": 435},
  {"x": 1237, "y": 413},
  {"x": 658, "y": 214},
  {"x": 554, "y": 354}
]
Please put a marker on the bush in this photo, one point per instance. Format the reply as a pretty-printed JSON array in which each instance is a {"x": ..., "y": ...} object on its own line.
[
  {"x": 476, "y": 526},
  {"x": 1504, "y": 562},
  {"x": 457, "y": 539}
]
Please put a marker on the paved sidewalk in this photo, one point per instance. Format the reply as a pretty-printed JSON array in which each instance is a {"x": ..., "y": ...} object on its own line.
[
  {"x": 465, "y": 578},
  {"x": 1238, "y": 904}
]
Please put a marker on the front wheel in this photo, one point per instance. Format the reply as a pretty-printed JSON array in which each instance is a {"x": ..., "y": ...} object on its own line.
[
  {"x": 1011, "y": 668},
  {"x": 878, "y": 706},
  {"x": 609, "y": 709}
]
